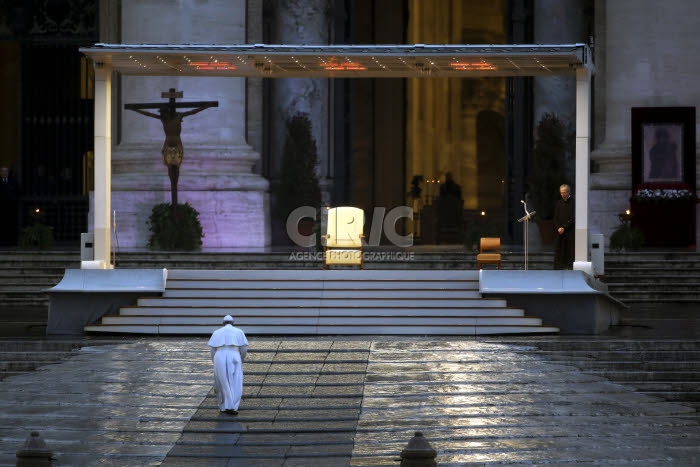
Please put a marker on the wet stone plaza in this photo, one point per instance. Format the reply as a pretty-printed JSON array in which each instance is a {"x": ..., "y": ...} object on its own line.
[{"x": 338, "y": 401}]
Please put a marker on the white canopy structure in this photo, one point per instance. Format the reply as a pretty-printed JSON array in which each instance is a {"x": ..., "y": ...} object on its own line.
[{"x": 336, "y": 61}]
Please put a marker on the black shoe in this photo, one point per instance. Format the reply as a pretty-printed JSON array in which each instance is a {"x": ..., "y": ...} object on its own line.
[{"x": 231, "y": 412}]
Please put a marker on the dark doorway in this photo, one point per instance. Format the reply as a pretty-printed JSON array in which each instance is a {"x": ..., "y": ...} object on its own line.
[{"x": 56, "y": 128}]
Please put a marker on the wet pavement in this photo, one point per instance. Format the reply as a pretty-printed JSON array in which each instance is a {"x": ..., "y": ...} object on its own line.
[{"x": 338, "y": 401}]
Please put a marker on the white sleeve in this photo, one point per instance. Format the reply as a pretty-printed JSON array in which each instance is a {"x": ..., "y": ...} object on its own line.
[
  {"x": 212, "y": 351},
  {"x": 243, "y": 350}
]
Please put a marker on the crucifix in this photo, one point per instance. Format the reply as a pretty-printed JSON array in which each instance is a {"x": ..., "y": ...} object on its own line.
[{"x": 172, "y": 125}]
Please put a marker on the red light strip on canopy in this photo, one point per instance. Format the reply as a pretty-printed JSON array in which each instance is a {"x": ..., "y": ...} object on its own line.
[
  {"x": 334, "y": 65},
  {"x": 216, "y": 65},
  {"x": 480, "y": 66}
]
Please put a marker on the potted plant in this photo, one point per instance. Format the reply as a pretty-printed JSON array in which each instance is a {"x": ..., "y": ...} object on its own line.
[
  {"x": 625, "y": 237},
  {"x": 298, "y": 183},
  {"x": 665, "y": 213},
  {"x": 554, "y": 141},
  {"x": 175, "y": 228},
  {"x": 37, "y": 236}
]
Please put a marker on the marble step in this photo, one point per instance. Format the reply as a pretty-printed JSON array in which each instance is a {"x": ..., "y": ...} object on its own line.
[
  {"x": 23, "y": 366},
  {"x": 624, "y": 357},
  {"x": 682, "y": 290},
  {"x": 661, "y": 296},
  {"x": 689, "y": 376},
  {"x": 344, "y": 329},
  {"x": 24, "y": 299},
  {"x": 352, "y": 294},
  {"x": 33, "y": 356},
  {"x": 216, "y": 313},
  {"x": 330, "y": 276},
  {"x": 359, "y": 284},
  {"x": 341, "y": 302},
  {"x": 249, "y": 321},
  {"x": 655, "y": 277},
  {"x": 562, "y": 345},
  {"x": 19, "y": 290},
  {"x": 7, "y": 273},
  {"x": 663, "y": 386}
]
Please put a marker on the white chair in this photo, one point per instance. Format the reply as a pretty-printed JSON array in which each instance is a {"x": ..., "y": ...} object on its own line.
[{"x": 344, "y": 236}]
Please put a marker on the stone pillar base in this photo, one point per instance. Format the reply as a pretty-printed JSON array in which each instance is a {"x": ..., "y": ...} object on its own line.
[{"x": 230, "y": 219}]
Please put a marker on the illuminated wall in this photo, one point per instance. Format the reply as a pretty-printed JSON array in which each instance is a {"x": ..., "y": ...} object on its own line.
[{"x": 457, "y": 125}]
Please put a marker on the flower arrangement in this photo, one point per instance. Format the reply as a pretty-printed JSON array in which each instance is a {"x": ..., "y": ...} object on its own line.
[
  {"x": 655, "y": 193},
  {"x": 663, "y": 194}
]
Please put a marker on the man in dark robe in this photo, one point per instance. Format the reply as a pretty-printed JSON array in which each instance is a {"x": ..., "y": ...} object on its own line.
[
  {"x": 564, "y": 224},
  {"x": 450, "y": 187}
]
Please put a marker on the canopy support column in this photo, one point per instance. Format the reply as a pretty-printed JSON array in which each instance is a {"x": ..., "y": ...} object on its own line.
[
  {"x": 103, "y": 163},
  {"x": 583, "y": 153}
]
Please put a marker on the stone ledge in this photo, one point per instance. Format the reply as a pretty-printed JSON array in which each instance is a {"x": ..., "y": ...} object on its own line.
[
  {"x": 570, "y": 300},
  {"x": 85, "y": 295},
  {"x": 538, "y": 282},
  {"x": 112, "y": 280}
]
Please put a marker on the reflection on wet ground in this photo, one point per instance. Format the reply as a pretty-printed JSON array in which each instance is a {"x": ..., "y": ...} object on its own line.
[{"x": 338, "y": 402}]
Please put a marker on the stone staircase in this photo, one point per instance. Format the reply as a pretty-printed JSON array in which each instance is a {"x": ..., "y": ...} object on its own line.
[
  {"x": 323, "y": 302},
  {"x": 661, "y": 367},
  {"x": 654, "y": 277},
  {"x": 644, "y": 280},
  {"x": 656, "y": 351},
  {"x": 19, "y": 356},
  {"x": 25, "y": 275}
]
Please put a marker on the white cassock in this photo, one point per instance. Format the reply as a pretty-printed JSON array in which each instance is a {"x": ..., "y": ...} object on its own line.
[{"x": 228, "y": 346}]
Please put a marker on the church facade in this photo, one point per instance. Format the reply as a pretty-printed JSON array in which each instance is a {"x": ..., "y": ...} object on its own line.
[{"x": 373, "y": 135}]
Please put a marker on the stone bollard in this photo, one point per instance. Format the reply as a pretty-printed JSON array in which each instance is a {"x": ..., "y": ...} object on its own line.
[
  {"x": 35, "y": 453},
  {"x": 418, "y": 453}
]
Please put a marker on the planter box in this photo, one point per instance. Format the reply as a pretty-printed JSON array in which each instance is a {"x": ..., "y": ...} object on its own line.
[{"x": 665, "y": 223}]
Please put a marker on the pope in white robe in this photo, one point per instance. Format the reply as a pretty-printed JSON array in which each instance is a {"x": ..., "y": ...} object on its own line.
[{"x": 228, "y": 346}]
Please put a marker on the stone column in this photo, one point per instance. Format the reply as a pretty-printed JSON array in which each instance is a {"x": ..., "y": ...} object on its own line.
[
  {"x": 583, "y": 132},
  {"x": 557, "y": 22},
  {"x": 216, "y": 176},
  {"x": 300, "y": 22},
  {"x": 103, "y": 157},
  {"x": 641, "y": 54}
]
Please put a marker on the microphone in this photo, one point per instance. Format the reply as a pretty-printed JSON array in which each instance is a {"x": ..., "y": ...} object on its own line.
[{"x": 528, "y": 215}]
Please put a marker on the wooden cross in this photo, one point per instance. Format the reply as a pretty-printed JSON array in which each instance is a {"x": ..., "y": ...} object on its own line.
[
  {"x": 171, "y": 119},
  {"x": 171, "y": 95}
]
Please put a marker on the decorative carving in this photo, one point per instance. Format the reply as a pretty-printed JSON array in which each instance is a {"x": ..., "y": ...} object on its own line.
[{"x": 49, "y": 18}]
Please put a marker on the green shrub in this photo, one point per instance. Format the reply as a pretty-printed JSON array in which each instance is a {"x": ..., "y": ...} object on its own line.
[
  {"x": 37, "y": 236},
  {"x": 298, "y": 183},
  {"x": 175, "y": 229},
  {"x": 626, "y": 238},
  {"x": 554, "y": 140}
]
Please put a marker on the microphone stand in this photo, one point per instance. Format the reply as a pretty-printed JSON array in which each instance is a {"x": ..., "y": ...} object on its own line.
[{"x": 526, "y": 219}]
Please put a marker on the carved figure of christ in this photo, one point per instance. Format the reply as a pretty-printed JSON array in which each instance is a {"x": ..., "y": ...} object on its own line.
[{"x": 171, "y": 119}]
